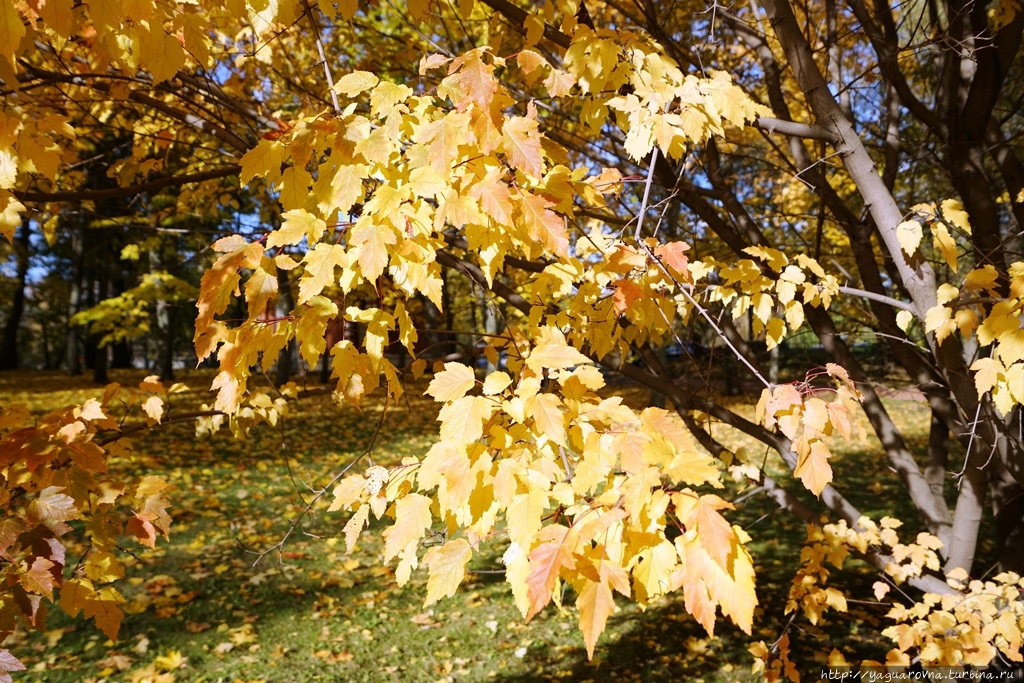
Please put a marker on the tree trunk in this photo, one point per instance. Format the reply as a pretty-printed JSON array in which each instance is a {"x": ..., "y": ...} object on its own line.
[
  {"x": 1008, "y": 510},
  {"x": 164, "y": 317},
  {"x": 72, "y": 357},
  {"x": 100, "y": 355},
  {"x": 165, "y": 323},
  {"x": 99, "y": 365},
  {"x": 121, "y": 355},
  {"x": 9, "y": 359},
  {"x": 287, "y": 361}
]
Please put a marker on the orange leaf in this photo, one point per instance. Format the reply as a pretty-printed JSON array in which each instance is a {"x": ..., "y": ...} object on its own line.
[
  {"x": 143, "y": 531},
  {"x": 626, "y": 294},
  {"x": 39, "y": 579},
  {"x": 674, "y": 256},
  {"x": 546, "y": 561}
]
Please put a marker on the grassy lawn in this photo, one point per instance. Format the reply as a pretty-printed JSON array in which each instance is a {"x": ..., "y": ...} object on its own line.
[{"x": 206, "y": 607}]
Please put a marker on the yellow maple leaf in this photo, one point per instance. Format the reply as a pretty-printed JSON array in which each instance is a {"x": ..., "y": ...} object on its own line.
[
  {"x": 452, "y": 383},
  {"x": 319, "y": 264},
  {"x": 412, "y": 519},
  {"x": 595, "y": 604},
  {"x": 447, "y": 568}
]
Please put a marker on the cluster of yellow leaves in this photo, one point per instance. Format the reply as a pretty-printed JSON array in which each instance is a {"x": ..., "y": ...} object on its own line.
[
  {"x": 943, "y": 221},
  {"x": 971, "y": 627},
  {"x": 128, "y": 315},
  {"x": 774, "y": 662},
  {"x": 985, "y": 306},
  {"x": 774, "y": 290},
  {"x": 418, "y": 164},
  {"x": 665, "y": 107},
  {"x": 131, "y": 37},
  {"x": 799, "y": 412},
  {"x": 53, "y": 469},
  {"x": 28, "y": 145},
  {"x": 992, "y": 310},
  {"x": 585, "y": 490},
  {"x": 832, "y": 544}
]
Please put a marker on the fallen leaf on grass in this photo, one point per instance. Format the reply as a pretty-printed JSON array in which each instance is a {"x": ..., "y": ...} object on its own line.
[
  {"x": 170, "y": 661},
  {"x": 425, "y": 619},
  {"x": 115, "y": 661},
  {"x": 334, "y": 657}
]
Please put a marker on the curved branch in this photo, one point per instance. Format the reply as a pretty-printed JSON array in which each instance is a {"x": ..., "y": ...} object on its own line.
[{"x": 128, "y": 190}]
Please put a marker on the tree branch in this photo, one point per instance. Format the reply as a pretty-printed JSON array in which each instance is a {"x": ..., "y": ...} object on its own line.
[
  {"x": 126, "y": 191},
  {"x": 810, "y": 131},
  {"x": 517, "y": 16},
  {"x": 880, "y": 298}
]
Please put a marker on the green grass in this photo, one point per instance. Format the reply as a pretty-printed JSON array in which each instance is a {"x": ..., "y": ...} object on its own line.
[{"x": 315, "y": 613}]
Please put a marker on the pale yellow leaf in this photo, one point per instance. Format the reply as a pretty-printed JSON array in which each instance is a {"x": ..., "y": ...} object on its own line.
[
  {"x": 447, "y": 568},
  {"x": 555, "y": 355},
  {"x": 352, "y": 84},
  {"x": 903, "y": 319},
  {"x": 154, "y": 408},
  {"x": 451, "y": 383},
  {"x": 298, "y": 224},
  {"x": 412, "y": 519},
  {"x": 909, "y": 234},
  {"x": 496, "y": 383},
  {"x": 319, "y": 269}
]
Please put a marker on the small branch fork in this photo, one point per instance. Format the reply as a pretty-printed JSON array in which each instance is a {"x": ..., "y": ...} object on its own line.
[{"x": 689, "y": 297}]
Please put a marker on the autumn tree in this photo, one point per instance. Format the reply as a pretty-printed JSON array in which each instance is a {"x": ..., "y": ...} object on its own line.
[{"x": 620, "y": 177}]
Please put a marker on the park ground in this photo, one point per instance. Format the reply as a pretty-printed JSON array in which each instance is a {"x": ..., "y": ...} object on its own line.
[{"x": 207, "y": 606}]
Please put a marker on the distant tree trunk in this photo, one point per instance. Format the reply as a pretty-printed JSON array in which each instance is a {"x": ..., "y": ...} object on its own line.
[
  {"x": 9, "y": 352},
  {"x": 435, "y": 338},
  {"x": 1008, "y": 510},
  {"x": 72, "y": 358},
  {"x": 492, "y": 323},
  {"x": 100, "y": 353},
  {"x": 164, "y": 316},
  {"x": 45, "y": 340},
  {"x": 122, "y": 355},
  {"x": 165, "y": 323},
  {"x": 286, "y": 362},
  {"x": 450, "y": 347},
  {"x": 773, "y": 365},
  {"x": 99, "y": 365}
]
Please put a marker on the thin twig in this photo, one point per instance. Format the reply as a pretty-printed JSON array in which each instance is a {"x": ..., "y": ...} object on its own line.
[
  {"x": 647, "y": 193},
  {"x": 279, "y": 546},
  {"x": 323, "y": 57}
]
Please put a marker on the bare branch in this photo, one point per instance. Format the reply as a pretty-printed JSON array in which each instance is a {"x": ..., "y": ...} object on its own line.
[
  {"x": 126, "y": 191},
  {"x": 800, "y": 130}
]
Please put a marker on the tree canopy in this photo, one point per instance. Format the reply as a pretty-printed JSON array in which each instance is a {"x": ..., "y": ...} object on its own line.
[{"x": 670, "y": 192}]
